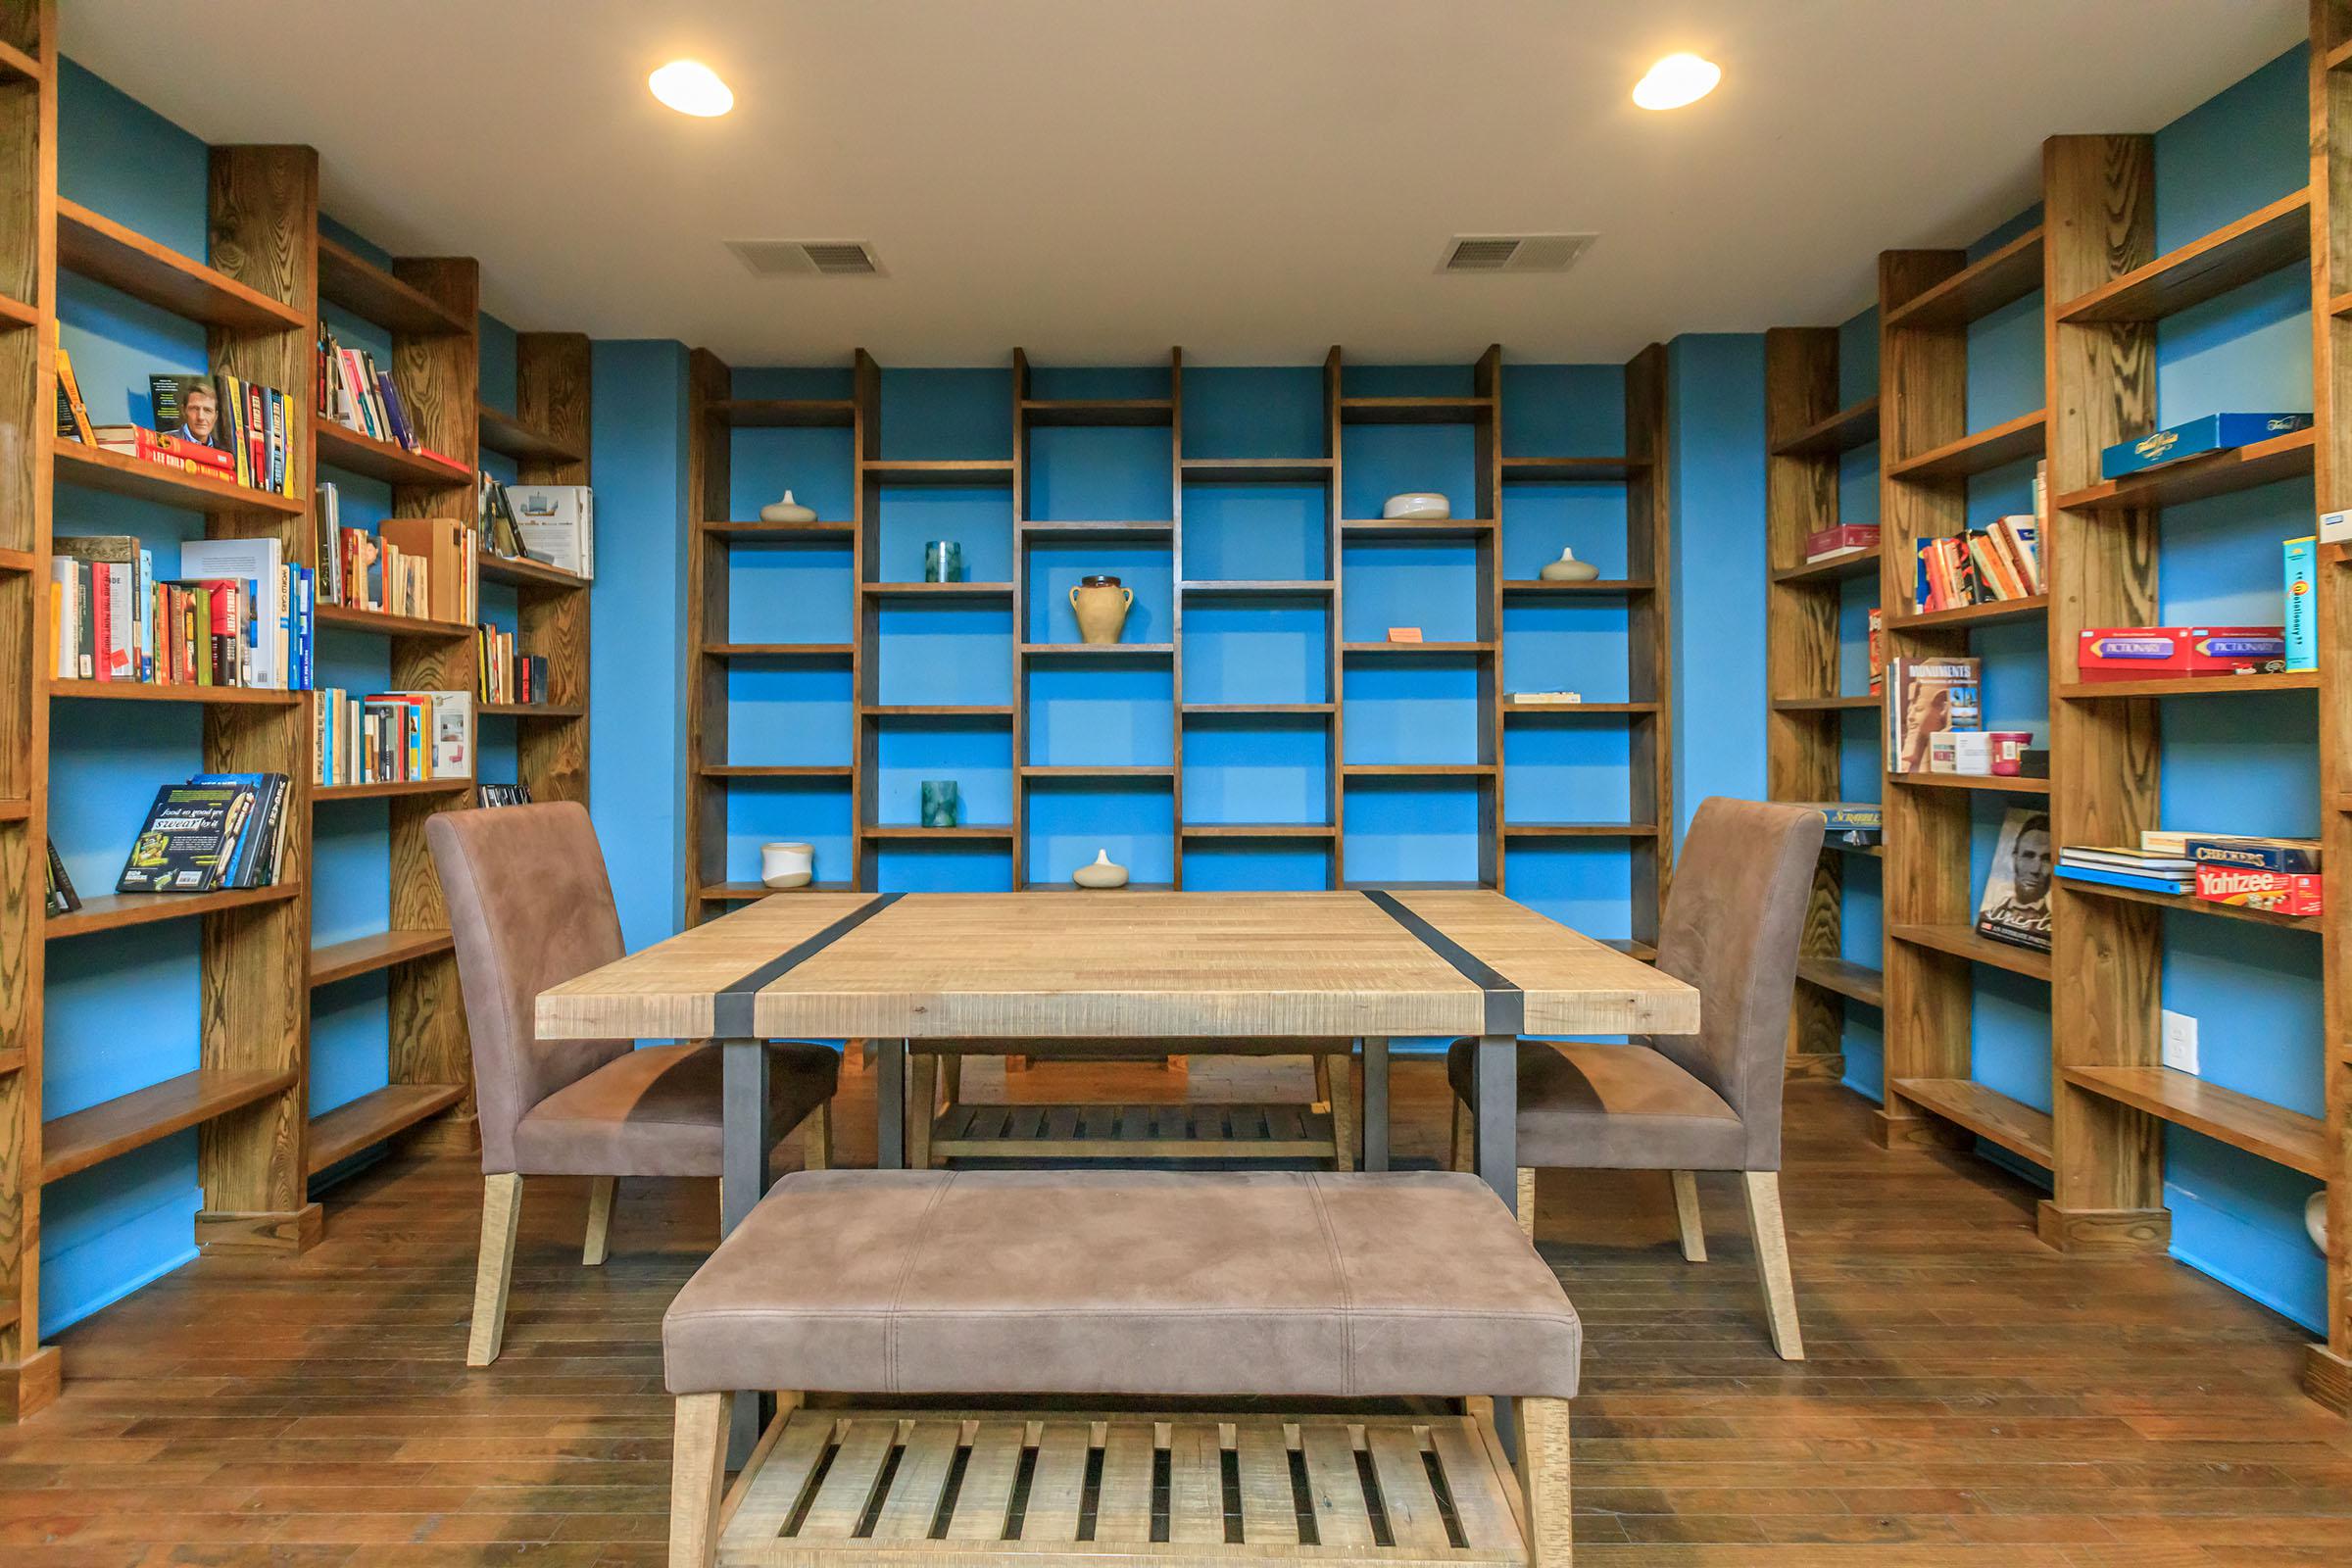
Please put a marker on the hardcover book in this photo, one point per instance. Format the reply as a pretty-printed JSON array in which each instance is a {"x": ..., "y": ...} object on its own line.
[
  {"x": 2016, "y": 906},
  {"x": 189, "y": 839}
]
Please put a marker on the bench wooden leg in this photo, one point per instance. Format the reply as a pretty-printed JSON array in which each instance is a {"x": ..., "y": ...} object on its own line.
[
  {"x": 1541, "y": 1428},
  {"x": 1461, "y": 1156},
  {"x": 1770, "y": 1235},
  {"x": 1527, "y": 1200},
  {"x": 493, "y": 1268},
  {"x": 1686, "y": 1218},
  {"x": 600, "y": 1220},
  {"x": 922, "y": 1107},
  {"x": 697, "y": 1478},
  {"x": 1340, "y": 1071}
]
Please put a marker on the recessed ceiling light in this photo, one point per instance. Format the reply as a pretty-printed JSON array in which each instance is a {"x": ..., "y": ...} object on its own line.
[
  {"x": 691, "y": 88},
  {"x": 1676, "y": 80}
]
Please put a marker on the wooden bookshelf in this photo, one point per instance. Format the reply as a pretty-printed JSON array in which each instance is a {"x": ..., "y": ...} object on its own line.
[
  {"x": 374, "y": 1118},
  {"x": 113, "y": 911},
  {"x": 95, "y": 468},
  {"x": 345, "y": 961},
  {"x": 75, "y": 1142},
  {"x": 2271, "y": 238}
]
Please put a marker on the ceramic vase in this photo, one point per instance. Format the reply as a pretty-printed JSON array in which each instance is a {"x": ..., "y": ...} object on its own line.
[
  {"x": 1102, "y": 872},
  {"x": 2315, "y": 1219},
  {"x": 787, "y": 865},
  {"x": 943, "y": 805},
  {"x": 1569, "y": 569},
  {"x": 943, "y": 561},
  {"x": 787, "y": 511},
  {"x": 1101, "y": 607}
]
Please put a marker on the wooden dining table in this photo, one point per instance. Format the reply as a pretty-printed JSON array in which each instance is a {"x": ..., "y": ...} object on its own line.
[{"x": 1030, "y": 968}]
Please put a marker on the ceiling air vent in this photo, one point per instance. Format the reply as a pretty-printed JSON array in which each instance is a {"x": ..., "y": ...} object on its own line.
[
  {"x": 801, "y": 258},
  {"x": 1514, "y": 253}
]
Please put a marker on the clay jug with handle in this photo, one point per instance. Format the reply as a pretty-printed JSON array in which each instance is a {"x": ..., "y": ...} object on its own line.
[{"x": 1101, "y": 607}]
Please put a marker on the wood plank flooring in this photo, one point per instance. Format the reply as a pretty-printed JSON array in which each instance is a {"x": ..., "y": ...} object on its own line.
[{"x": 1972, "y": 1398}]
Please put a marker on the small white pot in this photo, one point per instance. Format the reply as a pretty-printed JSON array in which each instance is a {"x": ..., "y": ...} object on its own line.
[
  {"x": 786, "y": 511},
  {"x": 1423, "y": 504},
  {"x": 787, "y": 865}
]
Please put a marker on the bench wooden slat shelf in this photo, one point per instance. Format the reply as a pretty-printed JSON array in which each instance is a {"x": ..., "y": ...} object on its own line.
[
  {"x": 1185, "y": 1130},
  {"x": 501, "y": 431},
  {"x": 343, "y": 960},
  {"x": 1999, "y": 277},
  {"x": 111, "y": 911},
  {"x": 2189, "y": 904},
  {"x": 1854, "y": 425},
  {"x": 338, "y": 1133},
  {"x": 2261, "y": 242},
  {"x": 96, "y": 247},
  {"x": 1962, "y": 941},
  {"x": 96, "y": 469},
  {"x": 2283, "y": 1136},
  {"x": 1992, "y": 1116},
  {"x": 2011, "y": 441},
  {"x": 341, "y": 446},
  {"x": 84, "y": 1138},
  {"x": 2207, "y": 474},
  {"x": 369, "y": 292},
  {"x": 1854, "y": 981}
]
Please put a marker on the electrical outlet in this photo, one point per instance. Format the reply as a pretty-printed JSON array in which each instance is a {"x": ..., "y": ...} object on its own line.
[{"x": 2180, "y": 1041}]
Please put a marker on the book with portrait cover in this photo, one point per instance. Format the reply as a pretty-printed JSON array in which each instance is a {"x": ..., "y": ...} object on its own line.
[
  {"x": 190, "y": 842},
  {"x": 2016, "y": 906}
]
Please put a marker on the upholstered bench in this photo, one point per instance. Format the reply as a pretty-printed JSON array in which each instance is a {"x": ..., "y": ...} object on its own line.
[{"x": 1279, "y": 1289}]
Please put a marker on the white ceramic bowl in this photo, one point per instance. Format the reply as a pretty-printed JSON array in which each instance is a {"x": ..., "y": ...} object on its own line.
[{"x": 1417, "y": 504}]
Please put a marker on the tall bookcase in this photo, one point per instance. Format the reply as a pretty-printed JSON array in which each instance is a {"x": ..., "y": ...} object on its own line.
[
  {"x": 878, "y": 826},
  {"x": 258, "y": 295}
]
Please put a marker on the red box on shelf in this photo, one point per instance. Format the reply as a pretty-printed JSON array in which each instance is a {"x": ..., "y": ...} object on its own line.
[
  {"x": 2138, "y": 653},
  {"x": 1847, "y": 539},
  {"x": 2278, "y": 891}
]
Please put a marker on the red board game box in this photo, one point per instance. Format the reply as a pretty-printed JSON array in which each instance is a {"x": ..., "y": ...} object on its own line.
[
  {"x": 2278, "y": 891},
  {"x": 2137, "y": 653}
]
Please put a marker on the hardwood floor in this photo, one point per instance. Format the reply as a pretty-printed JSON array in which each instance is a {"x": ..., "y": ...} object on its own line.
[{"x": 1970, "y": 1398}]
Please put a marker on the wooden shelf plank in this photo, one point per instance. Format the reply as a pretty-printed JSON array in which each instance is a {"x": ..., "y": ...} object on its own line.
[
  {"x": 937, "y": 711},
  {"x": 15, "y": 809},
  {"x": 98, "y": 248},
  {"x": 1999, "y": 783},
  {"x": 1416, "y": 411},
  {"x": 1859, "y": 563},
  {"x": 753, "y": 530},
  {"x": 525, "y": 573},
  {"x": 136, "y": 691},
  {"x": 781, "y": 650},
  {"x": 1511, "y": 709},
  {"x": 751, "y": 891},
  {"x": 76, "y": 1142},
  {"x": 14, "y": 313},
  {"x": 17, "y": 65},
  {"x": 1097, "y": 650},
  {"x": 1106, "y": 771},
  {"x": 2092, "y": 691},
  {"x": 980, "y": 471},
  {"x": 369, "y": 292},
  {"x": 2010, "y": 441},
  {"x": 778, "y": 770},
  {"x": 1997, "y": 609},
  {"x": 936, "y": 589},
  {"x": 344, "y": 960},
  {"x": 1824, "y": 705},
  {"x": 1992, "y": 1116},
  {"x": 1538, "y": 588},
  {"x": 1409, "y": 650},
  {"x": 500, "y": 432},
  {"x": 95, "y": 468},
  {"x": 1258, "y": 709},
  {"x": 1854, "y": 981},
  {"x": 2283, "y": 1136},
  {"x": 2260, "y": 243},
  {"x": 338, "y": 1133},
  {"x": 1256, "y": 471},
  {"x": 2189, "y": 904},
  {"x": 1999, "y": 277},
  {"x": 1415, "y": 529},
  {"x": 2208, "y": 473},
  {"x": 768, "y": 414},
  {"x": 1145, "y": 531},
  {"x": 1245, "y": 588},
  {"x": 1854, "y": 425},
  {"x": 355, "y": 451},
  {"x": 1418, "y": 769},
  {"x": 1098, "y": 411},
  {"x": 539, "y": 710},
  {"x": 1571, "y": 470},
  {"x": 1257, "y": 830},
  {"x": 1578, "y": 830},
  {"x": 911, "y": 830},
  {"x": 321, "y": 794},
  {"x": 111, "y": 911},
  {"x": 350, "y": 617},
  {"x": 1962, "y": 941}
]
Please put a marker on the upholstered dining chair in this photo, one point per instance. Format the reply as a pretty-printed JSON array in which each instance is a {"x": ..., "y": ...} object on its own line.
[
  {"x": 1684, "y": 1104},
  {"x": 530, "y": 906}
]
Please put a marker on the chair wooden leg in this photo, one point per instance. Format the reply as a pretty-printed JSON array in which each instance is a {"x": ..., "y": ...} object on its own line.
[
  {"x": 816, "y": 1138},
  {"x": 1527, "y": 1200},
  {"x": 1345, "y": 1145},
  {"x": 600, "y": 1219},
  {"x": 493, "y": 1268},
  {"x": 1544, "y": 1482},
  {"x": 698, "y": 1476},
  {"x": 1686, "y": 1217},
  {"x": 922, "y": 1108},
  {"x": 1770, "y": 1235},
  {"x": 1463, "y": 1154}
]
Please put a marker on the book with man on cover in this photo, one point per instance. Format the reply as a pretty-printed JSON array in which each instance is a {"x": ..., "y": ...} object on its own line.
[{"x": 2016, "y": 906}]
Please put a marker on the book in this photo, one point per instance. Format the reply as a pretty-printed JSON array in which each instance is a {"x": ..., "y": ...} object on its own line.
[
  {"x": 72, "y": 415},
  {"x": 558, "y": 525},
  {"x": 2302, "y": 628},
  {"x": 1846, "y": 539},
  {"x": 1543, "y": 699},
  {"x": 61, "y": 898},
  {"x": 188, "y": 839},
  {"x": 496, "y": 795},
  {"x": 2298, "y": 857},
  {"x": 2211, "y": 433},
  {"x": 2105, "y": 876},
  {"x": 256, "y": 562},
  {"x": 254, "y": 863},
  {"x": 1924, "y": 697},
  {"x": 2016, "y": 905},
  {"x": 187, "y": 408},
  {"x": 2141, "y": 862}
]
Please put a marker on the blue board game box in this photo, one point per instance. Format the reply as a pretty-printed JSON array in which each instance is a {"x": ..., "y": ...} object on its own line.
[{"x": 2212, "y": 433}]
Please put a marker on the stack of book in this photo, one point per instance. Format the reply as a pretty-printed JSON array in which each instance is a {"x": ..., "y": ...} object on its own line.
[
  {"x": 238, "y": 616},
  {"x": 219, "y": 426},
  {"x": 495, "y": 518},
  {"x": 350, "y": 388},
  {"x": 391, "y": 737},
  {"x": 218, "y": 830},
  {"x": 1982, "y": 566},
  {"x": 2144, "y": 870},
  {"x": 420, "y": 566},
  {"x": 503, "y": 674}
]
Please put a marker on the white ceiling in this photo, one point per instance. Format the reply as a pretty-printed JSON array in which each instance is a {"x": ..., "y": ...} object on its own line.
[{"x": 1096, "y": 180}]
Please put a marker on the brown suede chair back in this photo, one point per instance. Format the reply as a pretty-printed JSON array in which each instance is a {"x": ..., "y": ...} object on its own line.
[
  {"x": 530, "y": 906},
  {"x": 1731, "y": 928}
]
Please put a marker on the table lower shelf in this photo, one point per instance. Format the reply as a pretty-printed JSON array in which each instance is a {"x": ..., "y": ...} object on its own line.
[{"x": 1180, "y": 1131}]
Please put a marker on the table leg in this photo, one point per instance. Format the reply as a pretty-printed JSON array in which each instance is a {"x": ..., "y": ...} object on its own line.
[
  {"x": 1375, "y": 1103},
  {"x": 745, "y": 1139},
  {"x": 1497, "y": 1112},
  {"x": 890, "y": 1105}
]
